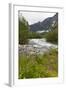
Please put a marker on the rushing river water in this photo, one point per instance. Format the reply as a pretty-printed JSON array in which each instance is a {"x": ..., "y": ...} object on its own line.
[
  {"x": 36, "y": 46},
  {"x": 41, "y": 43}
]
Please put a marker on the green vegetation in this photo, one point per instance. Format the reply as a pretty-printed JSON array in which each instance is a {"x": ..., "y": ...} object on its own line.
[
  {"x": 23, "y": 31},
  {"x": 52, "y": 36},
  {"x": 38, "y": 66},
  {"x": 35, "y": 35}
]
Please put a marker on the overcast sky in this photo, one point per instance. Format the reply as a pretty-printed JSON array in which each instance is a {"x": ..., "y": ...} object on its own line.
[{"x": 34, "y": 17}]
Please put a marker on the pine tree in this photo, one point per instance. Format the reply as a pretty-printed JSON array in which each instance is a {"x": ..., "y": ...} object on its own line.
[{"x": 23, "y": 31}]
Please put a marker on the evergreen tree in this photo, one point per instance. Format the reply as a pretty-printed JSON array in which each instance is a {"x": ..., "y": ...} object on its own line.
[{"x": 23, "y": 31}]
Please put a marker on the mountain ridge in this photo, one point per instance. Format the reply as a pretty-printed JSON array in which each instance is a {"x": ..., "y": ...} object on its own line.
[{"x": 45, "y": 24}]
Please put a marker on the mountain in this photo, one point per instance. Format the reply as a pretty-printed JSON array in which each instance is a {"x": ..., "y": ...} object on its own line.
[{"x": 45, "y": 24}]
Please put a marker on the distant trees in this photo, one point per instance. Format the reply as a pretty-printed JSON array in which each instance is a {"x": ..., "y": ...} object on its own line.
[
  {"x": 34, "y": 35},
  {"x": 23, "y": 31},
  {"x": 52, "y": 36}
]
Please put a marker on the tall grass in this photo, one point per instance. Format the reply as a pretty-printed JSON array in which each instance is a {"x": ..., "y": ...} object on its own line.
[{"x": 38, "y": 66}]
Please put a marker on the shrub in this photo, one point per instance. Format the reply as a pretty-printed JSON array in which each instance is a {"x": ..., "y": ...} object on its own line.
[{"x": 52, "y": 36}]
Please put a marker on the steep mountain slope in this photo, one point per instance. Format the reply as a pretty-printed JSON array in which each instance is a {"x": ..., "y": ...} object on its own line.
[{"x": 45, "y": 24}]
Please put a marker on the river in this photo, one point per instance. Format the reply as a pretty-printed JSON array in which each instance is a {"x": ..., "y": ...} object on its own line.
[{"x": 36, "y": 46}]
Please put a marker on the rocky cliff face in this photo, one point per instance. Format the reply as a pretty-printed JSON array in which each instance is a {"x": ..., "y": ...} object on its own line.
[{"x": 45, "y": 24}]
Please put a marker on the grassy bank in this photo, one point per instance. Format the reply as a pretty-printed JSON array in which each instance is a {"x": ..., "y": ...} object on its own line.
[{"x": 38, "y": 66}]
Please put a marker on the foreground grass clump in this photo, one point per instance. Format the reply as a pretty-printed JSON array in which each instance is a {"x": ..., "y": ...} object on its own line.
[{"x": 39, "y": 66}]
